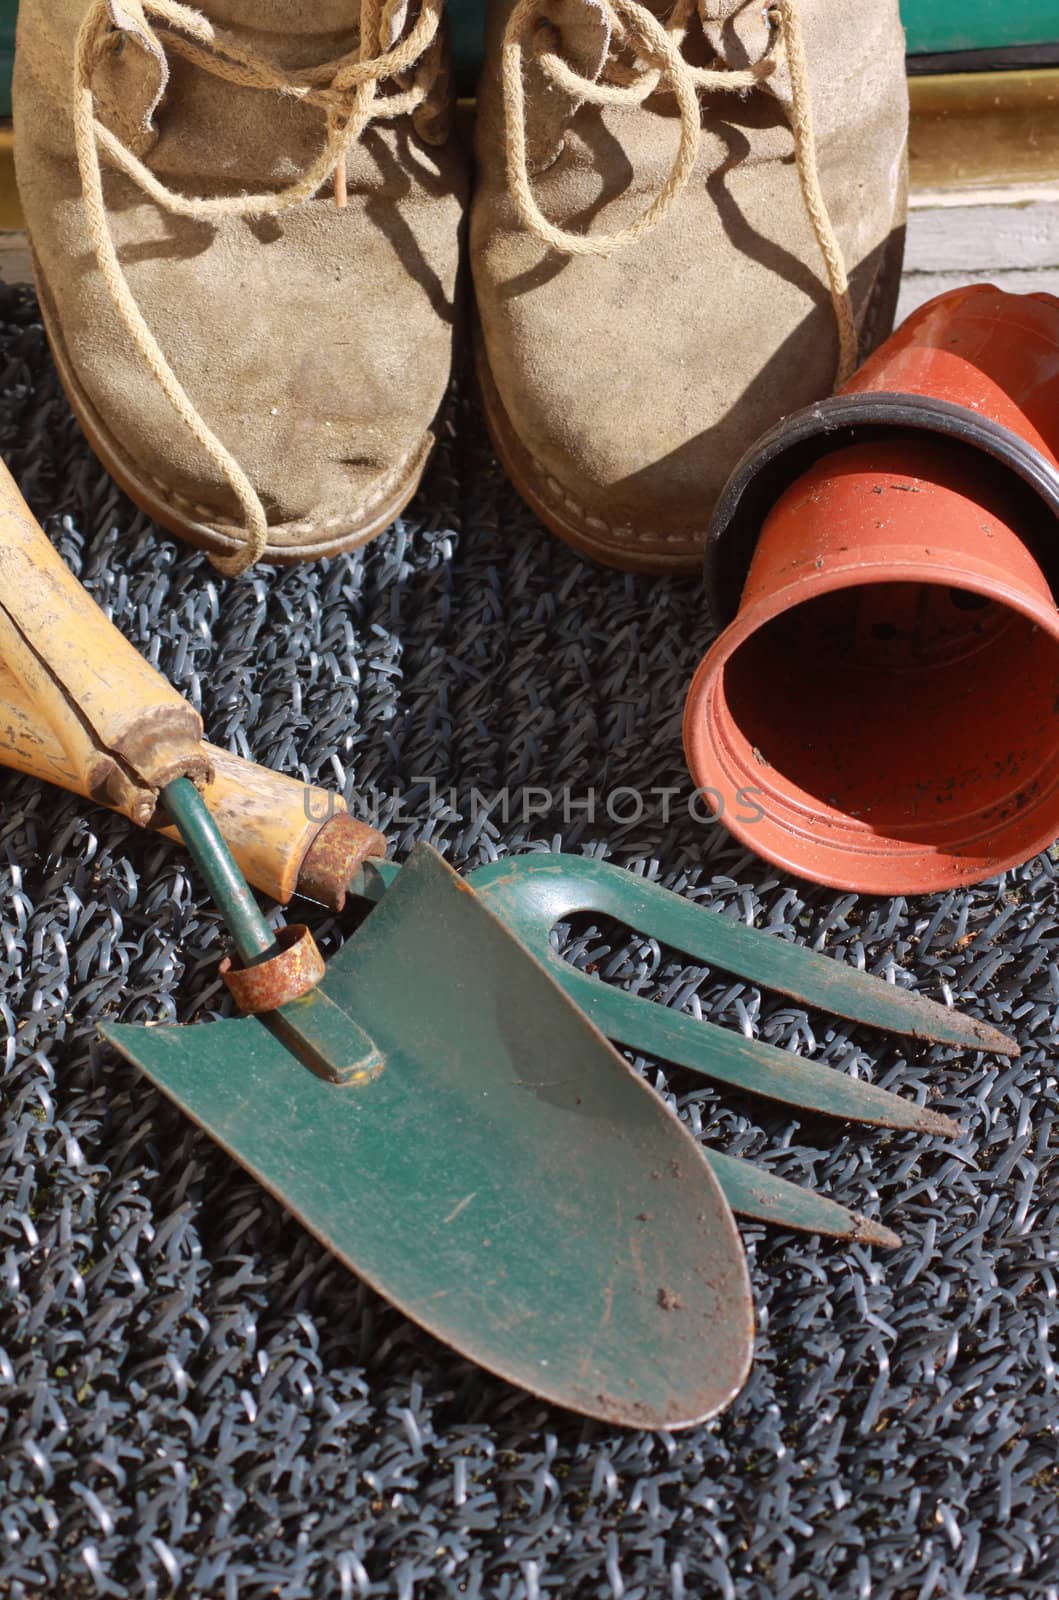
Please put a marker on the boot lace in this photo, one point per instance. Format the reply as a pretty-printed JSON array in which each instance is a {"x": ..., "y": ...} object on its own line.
[
  {"x": 657, "y": 64},
  {"x": 347, "y": 89}
]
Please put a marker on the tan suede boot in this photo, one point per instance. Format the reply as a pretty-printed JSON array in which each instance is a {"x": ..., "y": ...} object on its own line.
[
  {"x": 682, "y": 230},
  {"x": 245, "y": 222}
]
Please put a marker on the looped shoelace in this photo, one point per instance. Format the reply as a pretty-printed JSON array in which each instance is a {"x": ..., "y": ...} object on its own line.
[
  {"x": 346, "y": 89},
  {"x": 659, "y": 44}
]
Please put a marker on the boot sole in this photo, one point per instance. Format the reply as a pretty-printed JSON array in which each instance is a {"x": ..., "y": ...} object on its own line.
[
  {"x": 151, "y": 497},
  {"x": 551, "y": 504}
]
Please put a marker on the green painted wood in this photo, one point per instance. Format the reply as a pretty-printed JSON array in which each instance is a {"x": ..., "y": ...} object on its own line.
[
  {"x": 8, "y": 15},
  {"x": 932, "y": 26},
  {"x": 507, "y": 1180},
  {"x": 941, "y": 25},
  {"x": 467, "y": 22}
]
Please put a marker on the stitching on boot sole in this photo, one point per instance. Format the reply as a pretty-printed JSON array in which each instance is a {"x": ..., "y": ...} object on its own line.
[
  {"x": 214, "y": 519},
  {"x": 624, "y": 531},
  {"x": 507, "y": 442}
]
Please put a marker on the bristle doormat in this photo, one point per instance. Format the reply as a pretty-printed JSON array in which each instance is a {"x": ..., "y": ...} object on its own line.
[{"x": 197, "y": 1400}]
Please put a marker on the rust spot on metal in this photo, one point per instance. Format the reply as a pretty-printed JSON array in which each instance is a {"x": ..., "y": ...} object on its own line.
[
  {"x": 165, "y": 742},
  {"x": 296, "y": 970},
  {"x": 669, "y": 1300},
  {"x": 342, "y": 845},
  {"x": 867, "y": 1232}
]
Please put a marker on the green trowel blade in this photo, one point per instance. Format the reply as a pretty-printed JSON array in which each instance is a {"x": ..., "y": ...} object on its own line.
[{"x": 498, "y": 1172}]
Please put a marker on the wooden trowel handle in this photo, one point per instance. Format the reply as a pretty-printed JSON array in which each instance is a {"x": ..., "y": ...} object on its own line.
[
  {"x": 124, "y": 730},
  {"x": 285, "y": 835}
]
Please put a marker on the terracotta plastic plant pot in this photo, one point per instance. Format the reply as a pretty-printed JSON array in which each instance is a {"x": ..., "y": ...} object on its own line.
[
  {"x": 977, "y": 366},
  {"x": 883, "y": 714}
]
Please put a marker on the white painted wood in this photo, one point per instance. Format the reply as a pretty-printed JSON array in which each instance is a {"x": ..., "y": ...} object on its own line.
[
  {"x": 1014, "y": 245},
  {"x": 981, "y": 238}
]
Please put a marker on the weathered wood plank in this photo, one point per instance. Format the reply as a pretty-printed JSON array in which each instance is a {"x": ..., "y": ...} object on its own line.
[
  {"x": 982, "y": 238},
  {"x": 1014, "y": 245}
]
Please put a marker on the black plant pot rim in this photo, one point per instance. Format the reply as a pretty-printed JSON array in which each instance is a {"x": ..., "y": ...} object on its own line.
[{"x": 796, "y": 443}]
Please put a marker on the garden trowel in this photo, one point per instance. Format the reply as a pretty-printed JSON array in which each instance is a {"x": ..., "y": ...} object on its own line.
[
  {"x": 431, "y": 1105},
  {"x": 440, "y": 1115}
]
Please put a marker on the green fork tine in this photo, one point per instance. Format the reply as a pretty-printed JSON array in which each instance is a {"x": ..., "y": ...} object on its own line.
[
  {"x": 537, "y": 890},
  {"x": 729, "y": 1057},
  {"x": 532, "y": 893},
  {"x": 759, "y": 1195}
]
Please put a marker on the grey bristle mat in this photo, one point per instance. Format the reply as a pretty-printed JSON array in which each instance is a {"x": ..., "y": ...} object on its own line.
[{"x": 195, "y": 1399}]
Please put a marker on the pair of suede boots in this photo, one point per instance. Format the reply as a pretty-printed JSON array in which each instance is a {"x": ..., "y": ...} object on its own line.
[{"x": 247, "y": 221}]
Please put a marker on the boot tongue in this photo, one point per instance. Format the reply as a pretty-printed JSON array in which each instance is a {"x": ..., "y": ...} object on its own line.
[
  {"x": 584, "y": 37},
  {"x": 392, "y": 23},
  {"x": 300, "y": 35},
  {"x": 295, "y": 40},
  {"x": 738, "y": 31},
  {"x": 281, "y": 17}
]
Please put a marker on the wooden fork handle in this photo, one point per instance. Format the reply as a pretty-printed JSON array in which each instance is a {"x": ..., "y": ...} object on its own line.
[
  {"x": 285, "y": 835},
  {"x": 125, "y": 732}
]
